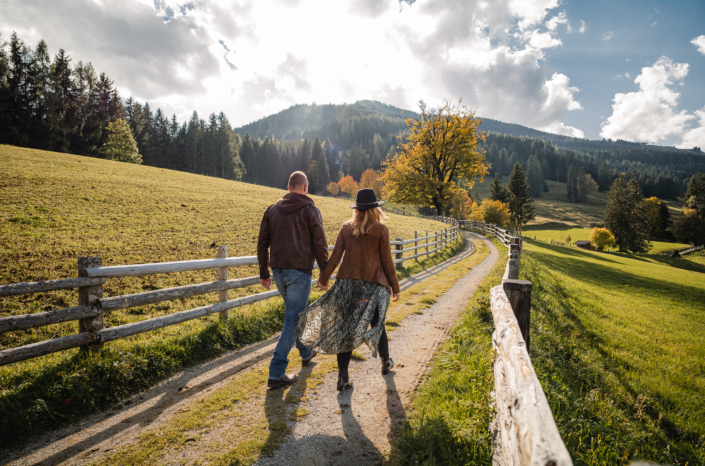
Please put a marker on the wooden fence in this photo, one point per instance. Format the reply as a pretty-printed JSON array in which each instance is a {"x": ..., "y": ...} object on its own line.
[
  {"x": 93, "y": 306},
  {"x": 523, "y": 431}
]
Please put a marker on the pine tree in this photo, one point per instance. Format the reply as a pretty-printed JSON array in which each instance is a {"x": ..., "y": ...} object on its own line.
[
  {"x": 121, "y": 146},
  {"x": 572, "y": 184},
  {"x": 604, "y": 177},
  {"x": 625, "y": 216},
  {"x": 521, "y": 205},
  {"x": 534, "y": 175},
  {"x": 248, "y": 155},
  {"x": 497, "y": 190},
  {"x": 323, "y": 172}
]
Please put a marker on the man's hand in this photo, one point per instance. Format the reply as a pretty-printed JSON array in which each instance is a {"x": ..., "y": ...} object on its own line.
[
  {"x": 322, "y": 286},
  {"x": 395, "y": 297},
  {"x": 266, "y": 283}
]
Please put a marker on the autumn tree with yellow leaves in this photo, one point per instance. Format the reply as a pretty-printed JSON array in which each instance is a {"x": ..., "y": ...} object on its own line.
[
  {"x": 371, "y": 179},
  {"x": 441, "y": 149}
]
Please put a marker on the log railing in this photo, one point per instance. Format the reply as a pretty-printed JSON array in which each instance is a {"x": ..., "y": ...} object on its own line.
[
  {"x": 92, "y": 306},
  {"x": 523, "y": 430}
]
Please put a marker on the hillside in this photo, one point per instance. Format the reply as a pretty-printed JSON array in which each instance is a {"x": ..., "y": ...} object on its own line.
[
  {"x": 56, "y": 207},
  {"x": 618, "y": 343},
  {"x": 313, "y": 120}
]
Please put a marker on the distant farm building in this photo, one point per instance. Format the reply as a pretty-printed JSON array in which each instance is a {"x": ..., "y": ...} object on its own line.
[{"x": 585, "y": 245}]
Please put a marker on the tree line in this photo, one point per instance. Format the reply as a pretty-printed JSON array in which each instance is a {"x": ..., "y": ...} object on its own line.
[{"x": 53, "y": 104}]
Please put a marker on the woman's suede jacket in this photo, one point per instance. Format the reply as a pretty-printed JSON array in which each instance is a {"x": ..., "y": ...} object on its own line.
[{"x": 367, "y": 257}]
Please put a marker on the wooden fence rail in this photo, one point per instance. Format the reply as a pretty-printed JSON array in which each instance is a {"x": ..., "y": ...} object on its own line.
[
  {"x": 93, "y": 306},
  {"x": 524, "y": 432}
]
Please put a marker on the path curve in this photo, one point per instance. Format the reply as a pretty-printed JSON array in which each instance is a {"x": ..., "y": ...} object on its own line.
[
  {"x": 355, "y": 427},
  {"x": 86, "y": 440}
]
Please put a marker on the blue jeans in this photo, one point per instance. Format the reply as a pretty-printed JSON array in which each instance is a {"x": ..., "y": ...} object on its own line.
[{"x": 295, "y": 287}]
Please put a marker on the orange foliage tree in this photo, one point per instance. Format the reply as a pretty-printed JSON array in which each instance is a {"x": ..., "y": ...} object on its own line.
[
  {"x": 371, "y": 179},
  {"x": 491, "y": 211},
  {"x": 348, "y": 185},
  {"x": 441, "y": 148}
]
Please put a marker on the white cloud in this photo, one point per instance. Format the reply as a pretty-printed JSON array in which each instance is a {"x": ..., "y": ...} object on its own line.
[
  {"x": 251, "y": 58},
  {"x": 583, "y": 27},
  {"x": 543, "y": 40},
  {"x": 561, "y": 18},
  {"x": 607, "y": 35},
  {"x": 695, "y": 137},
  {"x": 649, "y": 114},
  {"x": 560, "y": 128},
  {"x": 699, "y": 42}
]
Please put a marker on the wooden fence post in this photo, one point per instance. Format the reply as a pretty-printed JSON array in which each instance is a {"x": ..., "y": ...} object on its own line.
[
  {"x": 89, "y": 296},
  {"x": 223, "y": 275},
  {"x": 416, "y": 245},
  {"x": 426, "y": 243},
  {"x": 519, "y": 294},
  {"x": 399, "y": 255}
]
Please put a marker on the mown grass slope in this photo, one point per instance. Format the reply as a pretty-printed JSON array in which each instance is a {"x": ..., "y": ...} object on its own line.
[
  {"x": 558, "y": 231},
  {"x": 618, "y": 343},
  {"x": 56, "y": 207}
]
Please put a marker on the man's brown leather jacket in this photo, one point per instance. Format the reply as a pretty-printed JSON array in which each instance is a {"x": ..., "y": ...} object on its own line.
[{"x": 291, "y": 236}]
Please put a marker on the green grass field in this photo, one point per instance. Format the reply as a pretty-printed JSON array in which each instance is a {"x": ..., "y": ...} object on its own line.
[
  {"x": 618, "y": 342},
  {"x": 698, "y": 257},
  {"x": 553, "y": 206},
  {"x": 56, "y": 207},
  {"x": 557, "y": 231}
]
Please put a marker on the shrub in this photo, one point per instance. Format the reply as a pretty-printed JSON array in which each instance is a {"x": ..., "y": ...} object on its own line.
[{"x": 601, "y": 238}]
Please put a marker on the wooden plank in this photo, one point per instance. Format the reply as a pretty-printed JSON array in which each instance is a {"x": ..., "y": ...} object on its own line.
[
  {"x": 223, "y": 275},
  {"x": 40, "y": 319},
  {"x": 539, "y": 442},
  {"x": 46, "y": 347},
  {"x": 15, "y": 289},
  {"x": 122, "y": 331},
  {"x": 169, "y": 267},
  {"x": 168, "y": 294}
]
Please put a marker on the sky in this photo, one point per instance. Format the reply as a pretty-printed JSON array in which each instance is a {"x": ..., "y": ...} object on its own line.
[{"x": 632, "y": 70}]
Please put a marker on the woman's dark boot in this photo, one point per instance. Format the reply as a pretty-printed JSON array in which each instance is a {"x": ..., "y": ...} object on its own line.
[
  {"x": 387, "y": 365},
  {"x": 344, "y": 381}
]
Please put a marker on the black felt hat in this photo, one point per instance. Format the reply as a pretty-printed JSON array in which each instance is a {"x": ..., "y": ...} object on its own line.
[{"x": 366, "y": 199}]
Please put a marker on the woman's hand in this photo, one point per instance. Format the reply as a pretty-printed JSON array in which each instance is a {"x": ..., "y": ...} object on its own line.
[{"x": 395, "y": 296}]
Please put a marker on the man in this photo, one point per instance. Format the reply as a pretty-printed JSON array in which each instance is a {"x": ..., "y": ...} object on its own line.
[{"x": 292, "y": 231}]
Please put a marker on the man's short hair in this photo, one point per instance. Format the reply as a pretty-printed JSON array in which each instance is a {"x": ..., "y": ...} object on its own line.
[{"x": 298, "y": 180}]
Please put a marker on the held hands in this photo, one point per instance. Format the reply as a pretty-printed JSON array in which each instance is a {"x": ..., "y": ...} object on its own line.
[
  {"x": 266, "y": 283},
  {"x": 395, "y": 296},
  {"x": 322, "y": 286}
]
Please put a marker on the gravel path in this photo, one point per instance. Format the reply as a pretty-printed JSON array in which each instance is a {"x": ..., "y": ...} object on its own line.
[
  {"x": 87, "y": 440},
  {"x": 355, "y": 427}
]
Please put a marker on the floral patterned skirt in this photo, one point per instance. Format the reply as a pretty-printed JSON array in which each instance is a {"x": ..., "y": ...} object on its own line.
[{"x": 339, "y": 321}]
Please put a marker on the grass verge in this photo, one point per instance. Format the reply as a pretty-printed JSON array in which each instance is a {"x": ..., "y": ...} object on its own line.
[{"x": 450, "y": 414}]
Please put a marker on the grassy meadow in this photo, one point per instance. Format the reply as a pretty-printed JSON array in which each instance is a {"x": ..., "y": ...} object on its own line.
[
  {"x": 554, "y": 206},
  {"x": 57, "y": 207},
  {"x": 557, "y": 231},
  {"x": 618, "y": 342}
]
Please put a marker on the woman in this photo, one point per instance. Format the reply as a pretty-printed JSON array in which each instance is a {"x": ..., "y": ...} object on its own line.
[{"x": 338, "y": 322}]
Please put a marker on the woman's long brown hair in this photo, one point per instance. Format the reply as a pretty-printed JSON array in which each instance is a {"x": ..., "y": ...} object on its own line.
[{"x": 362, "y": 220}]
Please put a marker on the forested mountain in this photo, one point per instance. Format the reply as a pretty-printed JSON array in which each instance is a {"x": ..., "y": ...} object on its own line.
[{"x": 55, "y": 105}]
